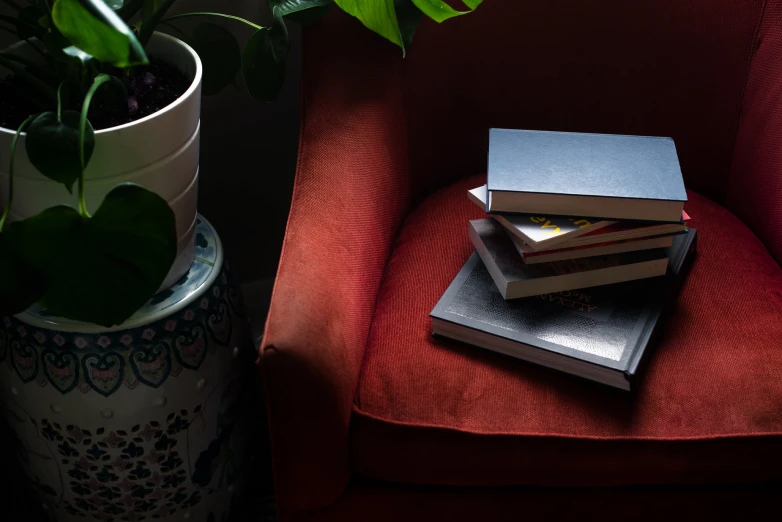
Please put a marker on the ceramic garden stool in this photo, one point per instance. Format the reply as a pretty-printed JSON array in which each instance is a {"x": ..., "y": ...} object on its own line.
[{"x": 137, "y": 422}]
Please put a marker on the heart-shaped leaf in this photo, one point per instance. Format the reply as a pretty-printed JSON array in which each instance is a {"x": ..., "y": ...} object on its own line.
[
  {"x": 20, "y": 283},
  {"x": 264, "y": 58},
  {"x": 93, "y": 27},
  {"x": 44, "y": 239},
  {"x": 53, "y": 146},
  {"x": 220, "y": 55},
  {"x": 106, "y": 267},
  {"x": 409, "y": 18},
  {"x": 377, "y": 15},
  {"x": 439, "y": 11}
]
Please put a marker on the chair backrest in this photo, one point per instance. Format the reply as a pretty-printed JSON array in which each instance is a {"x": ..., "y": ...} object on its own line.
[
  {"x": 706, "y": 72},
  {"x": 651, "y": 67}
]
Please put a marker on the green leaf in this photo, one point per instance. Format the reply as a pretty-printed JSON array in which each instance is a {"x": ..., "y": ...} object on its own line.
[
  {"x": 68, "y": 64},
  {"x": 53, "y": 146},
  {"x": 220, "y": 55},
  {"x": 43, "y": 240},
  {"x": 439, "y": 11},
  {"x": 264, "y": 59},
  {"x": 148, "y": 7},
  {"x": 377, "y": 15},
  {"x": 102, "y": 269},
  {"x": 94, "y": 28},
  {"x": 20, "y": 284},
  {"x": 287, "y": 7},
  {"x": 409, "y": 17},
  {"x": 45, "y": 22}
]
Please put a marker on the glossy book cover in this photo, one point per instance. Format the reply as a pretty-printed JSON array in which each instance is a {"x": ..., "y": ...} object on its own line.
[{"x": 599, "y": 333}]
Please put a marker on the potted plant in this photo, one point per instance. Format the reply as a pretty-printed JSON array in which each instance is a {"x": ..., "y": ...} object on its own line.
[
  {"x": 99, "y": 130},
  {"x": 101, "y": 141},
  {"x": 113, "y": 230}
]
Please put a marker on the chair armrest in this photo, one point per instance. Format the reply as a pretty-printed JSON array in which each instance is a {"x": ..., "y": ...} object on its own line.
[
  {"x": 350, "y": 196},
  {"x": 755, "y": 184}
]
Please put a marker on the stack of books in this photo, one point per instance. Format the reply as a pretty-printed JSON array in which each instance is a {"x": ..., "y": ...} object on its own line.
[{"x": 586, "y": 241}]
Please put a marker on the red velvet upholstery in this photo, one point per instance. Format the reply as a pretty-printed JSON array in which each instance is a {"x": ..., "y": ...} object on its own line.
[
  {"x": 709, "y": 408},
  {"x": 379, "y": 134},
  {"x": 755, "y": 189},
  {"x": 349, "y": 198}
]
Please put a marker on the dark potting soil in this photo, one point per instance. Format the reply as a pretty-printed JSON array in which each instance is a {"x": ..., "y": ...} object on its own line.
[{"x": 149, "y": 89}]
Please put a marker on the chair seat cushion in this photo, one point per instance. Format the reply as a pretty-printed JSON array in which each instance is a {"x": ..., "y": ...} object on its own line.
[{"x": 708, "y": 408}]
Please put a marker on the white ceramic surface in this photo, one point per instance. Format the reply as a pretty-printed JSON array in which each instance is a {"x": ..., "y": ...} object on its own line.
[
  {"x": 159, "y": 152},
  {"x": 139, "y": 423}
]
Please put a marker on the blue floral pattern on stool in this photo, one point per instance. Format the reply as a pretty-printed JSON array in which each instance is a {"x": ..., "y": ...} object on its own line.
[
  {"x": 75, "y": 397},
  {"x": 145, "y": 355},
  {"x": 147, "y": 479}
]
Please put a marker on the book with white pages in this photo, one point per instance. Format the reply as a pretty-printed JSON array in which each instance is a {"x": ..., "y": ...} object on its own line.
[
  {"x": 612, "y": 247},
  {"x": 515, "y": 279},
  {"x": 596, "y": 233},
  {"x": 541, "y": 232}
]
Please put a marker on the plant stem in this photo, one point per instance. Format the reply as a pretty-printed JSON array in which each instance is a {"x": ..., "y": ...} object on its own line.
[
  {"x": 11, "y": 171},
  {"x": 59, "y": 102},
  {"x": 99, "y": 80},
  {"x": 219, "y": 15},
  {"x": 149, "y": 25},
  {"x": 48, "y": 10},
  {"x": 34, "y": 82}
]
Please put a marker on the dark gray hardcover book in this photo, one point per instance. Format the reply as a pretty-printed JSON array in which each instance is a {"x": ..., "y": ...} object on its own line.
[
  {"x": 600, "y": 333},
  {"x": 515, "y": 279},
  {"x": 578, "y": 174}
]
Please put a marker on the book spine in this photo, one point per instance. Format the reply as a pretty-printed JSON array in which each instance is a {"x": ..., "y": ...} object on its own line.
[{"x": 681, "y": 267}]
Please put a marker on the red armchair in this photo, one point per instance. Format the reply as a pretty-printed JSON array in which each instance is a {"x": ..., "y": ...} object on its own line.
[{"x": 372, "y": 419}]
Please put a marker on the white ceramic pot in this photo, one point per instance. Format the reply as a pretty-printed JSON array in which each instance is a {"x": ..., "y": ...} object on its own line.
[{"x": 159, "y": 152}]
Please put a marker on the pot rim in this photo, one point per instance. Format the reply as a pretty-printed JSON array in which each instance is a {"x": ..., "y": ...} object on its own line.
[
  {"x": 185, "y": 95},
  {"x": 143, "y": 316}
]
